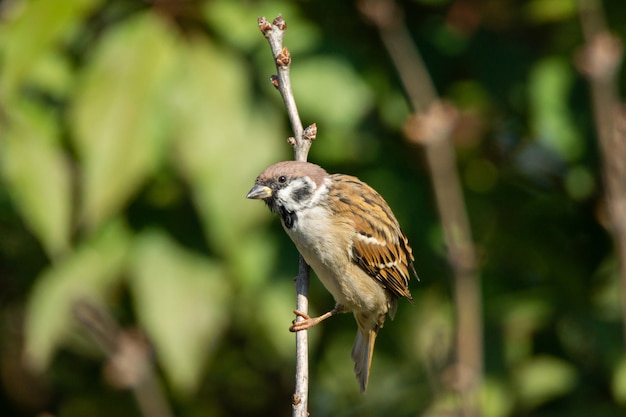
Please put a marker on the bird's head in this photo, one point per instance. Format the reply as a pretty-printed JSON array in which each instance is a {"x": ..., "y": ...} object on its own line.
[{"x": 289, "y": 187}]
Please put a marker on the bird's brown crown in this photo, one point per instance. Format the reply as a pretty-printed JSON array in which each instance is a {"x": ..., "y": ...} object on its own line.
[{"x": 291, "y": 169}]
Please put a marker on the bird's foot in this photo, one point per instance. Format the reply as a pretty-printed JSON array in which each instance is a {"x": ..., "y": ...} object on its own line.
[{"x": 308, "y": 321}]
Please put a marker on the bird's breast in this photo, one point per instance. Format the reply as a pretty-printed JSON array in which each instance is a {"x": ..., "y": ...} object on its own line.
[
  {"x": 325, "y": 245},
  {"x": 318, "y": 242}
]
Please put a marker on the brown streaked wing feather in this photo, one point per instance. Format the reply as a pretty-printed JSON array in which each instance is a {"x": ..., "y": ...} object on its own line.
[{"x": 379, "y": 246}]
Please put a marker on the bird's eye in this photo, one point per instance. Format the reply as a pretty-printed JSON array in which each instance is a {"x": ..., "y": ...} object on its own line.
[{"x": 282, "y": 179}]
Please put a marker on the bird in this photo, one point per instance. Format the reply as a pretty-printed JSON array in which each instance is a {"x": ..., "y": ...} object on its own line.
[{"x": 348, "y": 235}]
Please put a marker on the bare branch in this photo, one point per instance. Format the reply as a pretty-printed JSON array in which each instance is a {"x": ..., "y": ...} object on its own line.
[
  {"x": 129, "y": 365},
  {"x": 301, "y": 142},
  {"x": 274, "y": 34},
  {"x": 301, "y": 391}
]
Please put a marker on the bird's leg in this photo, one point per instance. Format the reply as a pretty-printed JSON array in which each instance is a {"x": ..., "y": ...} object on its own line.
[{"x": 312, "y": 321}]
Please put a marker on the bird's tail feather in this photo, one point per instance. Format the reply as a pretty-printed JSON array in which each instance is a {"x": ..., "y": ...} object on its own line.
[{"x": 362, "y": 353}]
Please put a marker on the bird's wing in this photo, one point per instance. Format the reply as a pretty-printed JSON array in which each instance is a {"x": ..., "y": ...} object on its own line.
[{"x": 378, "y": 245}]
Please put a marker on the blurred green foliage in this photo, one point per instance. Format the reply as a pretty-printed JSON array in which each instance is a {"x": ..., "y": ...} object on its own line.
[{"x": 131, "y": 131}]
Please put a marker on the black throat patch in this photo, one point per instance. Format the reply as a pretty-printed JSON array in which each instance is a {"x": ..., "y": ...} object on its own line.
[{"x": 288, "y": 217}]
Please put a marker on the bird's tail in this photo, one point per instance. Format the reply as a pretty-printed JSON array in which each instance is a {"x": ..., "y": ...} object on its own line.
[{"x": 362, "y": 353}]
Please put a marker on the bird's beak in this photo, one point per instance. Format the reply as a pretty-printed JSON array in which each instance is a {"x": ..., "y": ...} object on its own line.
[{"x": 259, "y": 192}]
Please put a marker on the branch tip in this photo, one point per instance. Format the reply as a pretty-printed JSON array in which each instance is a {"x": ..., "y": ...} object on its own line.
[
  {"x": 279, "y": 22},
  {"x": 264, "y": 26}
]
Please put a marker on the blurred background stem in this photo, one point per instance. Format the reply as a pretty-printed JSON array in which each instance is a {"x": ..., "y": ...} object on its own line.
[
  {"x": 431, "y": 125},
  {"x": 600, "y": 60},
  {"x": 129, "y": 365}
]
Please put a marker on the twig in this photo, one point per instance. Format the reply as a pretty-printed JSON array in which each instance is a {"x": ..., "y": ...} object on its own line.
[
  {"x": 129, "y": 365},
  {"x": 600, "y": 60},
  {"x": 301, "y": 391},
  {"x": 301, "y": 142},
  {"x": 274, "y": 34},
  {"x": 431, "y": 125}
]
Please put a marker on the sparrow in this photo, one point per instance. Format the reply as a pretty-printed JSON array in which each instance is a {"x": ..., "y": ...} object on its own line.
[{"x": 347, "y": 233}]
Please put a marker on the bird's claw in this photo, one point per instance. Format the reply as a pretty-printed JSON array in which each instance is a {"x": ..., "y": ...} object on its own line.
[{"x": 304, "y": 324}]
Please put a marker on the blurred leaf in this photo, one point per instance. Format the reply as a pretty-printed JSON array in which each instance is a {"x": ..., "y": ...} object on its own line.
[
  {"x": 434, "y": 2},
  {"x": 444, "y": 404},
  {"x": 119, "y": 117},
  {"x": 606, "y": 299},
  {"x": 495, "y": 398},
  {"x": 182, "y": 301},
  {"x": 543, "y": 378},
  {"x": 435, "y": 334},
  {"x": 275, "y": 313},
  {"x": 255, "y": 260},
  {"x": 449, "y": 40},
  {"x": 470, "y": 95},
  {"x": 619, "y": 382},
  {"x": 330, "y": 92},
  {"x": 522, "y": 316},
  {"x": 543, "y": 11},
  {"x": 222, "y": 141},
  {"x": 54, "y": 74},
  {"x": 38, "y": 175},
  {"x": 579, "y": 182},
  {"x": 31, "y": 31},
  {"x": 393, "y": 108},
  {"x": 87, "y": 273},
  {"x": 480, "y": 175},
  {"x": 549, "y": 84}
]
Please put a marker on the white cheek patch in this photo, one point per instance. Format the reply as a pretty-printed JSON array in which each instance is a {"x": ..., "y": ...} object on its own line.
[
  {"x": 320, "y": 193},
  {"x": 282, "y": 195},
  {"x": 288, "y": 196}
]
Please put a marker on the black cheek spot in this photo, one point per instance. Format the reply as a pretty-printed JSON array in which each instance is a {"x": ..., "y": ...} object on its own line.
[{"x": 302, "y": 193}]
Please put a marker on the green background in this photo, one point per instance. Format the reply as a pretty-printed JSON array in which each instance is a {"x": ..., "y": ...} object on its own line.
[{"x": 132, "y": 130}]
